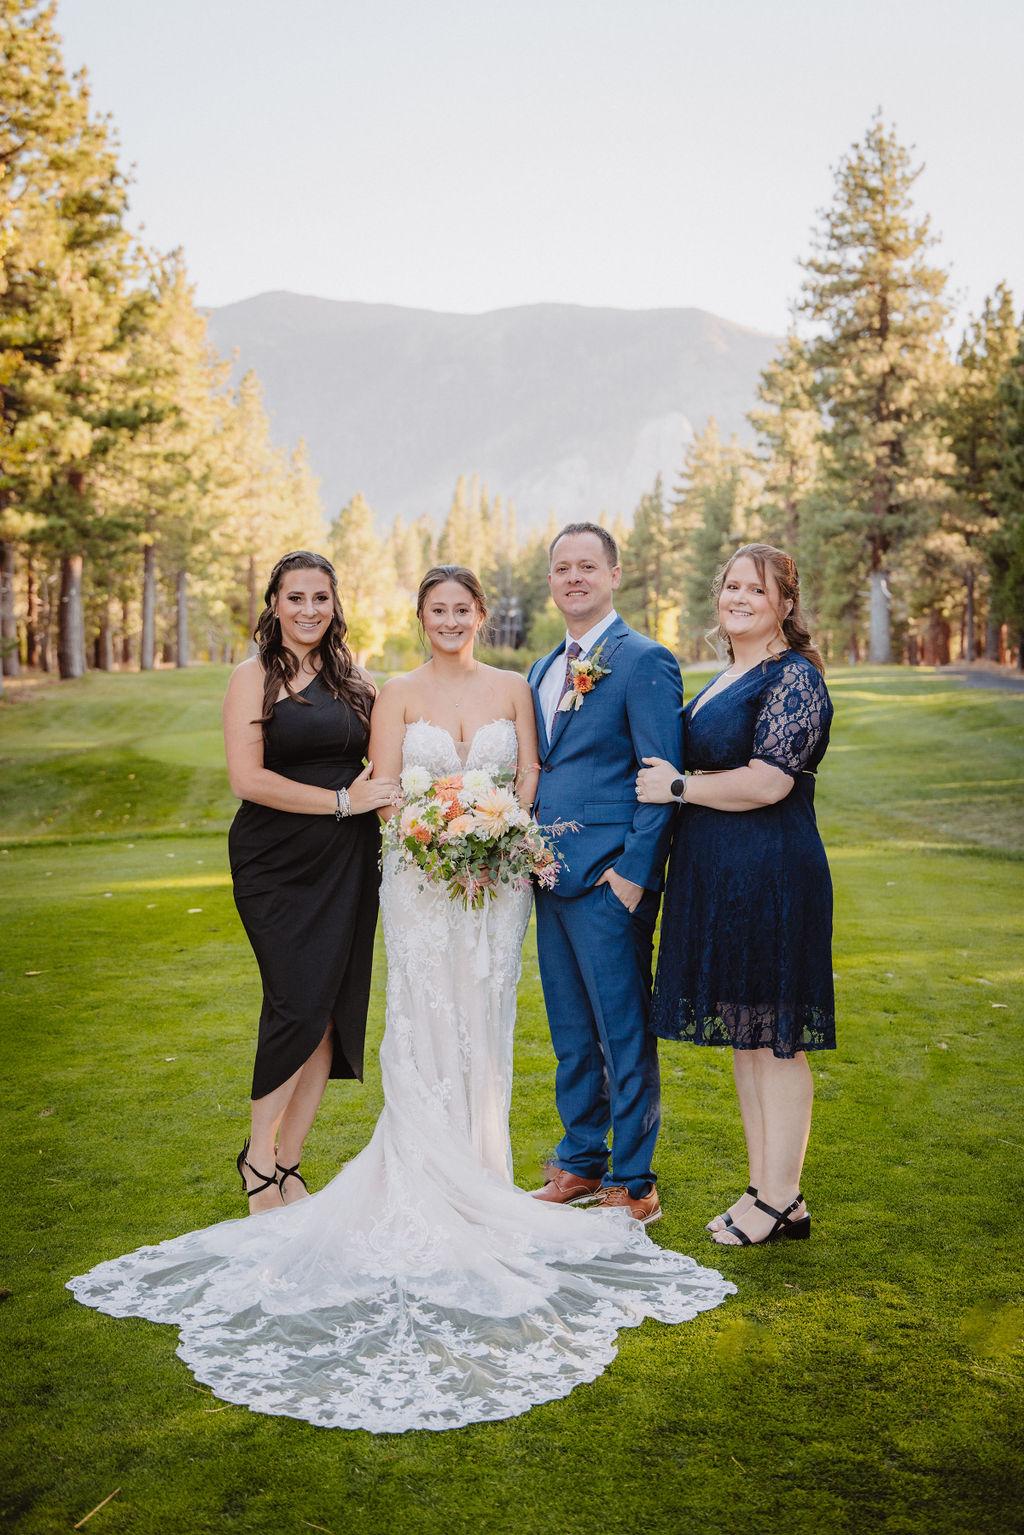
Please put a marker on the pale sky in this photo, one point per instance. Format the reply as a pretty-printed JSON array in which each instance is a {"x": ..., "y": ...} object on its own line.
[{"x": 469, "y": 155}]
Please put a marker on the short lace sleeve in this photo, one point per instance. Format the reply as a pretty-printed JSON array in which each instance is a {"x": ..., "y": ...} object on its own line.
[{"x": 793, "y": 721}]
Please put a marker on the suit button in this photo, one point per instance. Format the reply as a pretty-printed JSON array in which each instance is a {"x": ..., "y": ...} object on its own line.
[{"x": 547, "y": 767}]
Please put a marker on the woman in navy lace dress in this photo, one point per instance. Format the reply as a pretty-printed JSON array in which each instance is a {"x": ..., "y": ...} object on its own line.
[{"x": 746, "y": 928}]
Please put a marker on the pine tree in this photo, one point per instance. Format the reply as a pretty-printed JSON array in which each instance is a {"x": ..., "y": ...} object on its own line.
[
  {"x": 543, "y": 624},
  {"x": 973, "y": 420},
  {"x": 68, "y": 310},
  {"x": 648, "y": 594},
  {"x": 269, "y": 504},
  {"x": 373, "y": 601},
  {"x": 788, "y": 426},
  {"x": 462, "y": 537},
  {"x": 1006, "y": 546},
  {"x": 708, "y": 519},
  {"x": 167, "y": 474},
  {"x": 879, "y": 362}
]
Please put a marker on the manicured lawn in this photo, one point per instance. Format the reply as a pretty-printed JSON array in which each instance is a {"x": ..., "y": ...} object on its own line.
[{"x": 867, "y": 1381}]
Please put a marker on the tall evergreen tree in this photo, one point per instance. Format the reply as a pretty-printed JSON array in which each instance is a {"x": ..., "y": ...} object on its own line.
[
  {"x": 462, "y": 540},
  {"x": 263, "y": 513},
  {"x": 167, "y": 474},
  {"x": 708, "y": 519},
  {"x": 1006, "y": 547},
  {"x": 648, "y": 594},
  {"x": 70, "y": 306},
  {"x": 374, "y": 603},
  {"x": 788, "y": 425},
  {"x": 974, "y": 422},
  {"x": 879, "y": 361}
]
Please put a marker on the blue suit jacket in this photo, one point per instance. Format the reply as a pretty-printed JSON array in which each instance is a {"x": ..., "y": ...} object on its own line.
[{"x": 589, "y": 766}]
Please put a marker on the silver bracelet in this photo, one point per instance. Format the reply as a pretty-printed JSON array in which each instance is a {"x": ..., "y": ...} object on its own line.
[{"x": 344, "y": 804}]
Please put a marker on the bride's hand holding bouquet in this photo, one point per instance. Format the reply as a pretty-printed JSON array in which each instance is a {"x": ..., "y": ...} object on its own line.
[{"x": 469, "y": 834}]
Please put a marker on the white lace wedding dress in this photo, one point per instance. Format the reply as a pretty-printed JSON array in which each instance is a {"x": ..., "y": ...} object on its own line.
[{"x": 420, "y": 1288}]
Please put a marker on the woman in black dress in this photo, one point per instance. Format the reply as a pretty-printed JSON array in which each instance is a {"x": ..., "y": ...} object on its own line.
[
  {"x": 746, "y": 929},
  {"x": 303, "y": 849}
]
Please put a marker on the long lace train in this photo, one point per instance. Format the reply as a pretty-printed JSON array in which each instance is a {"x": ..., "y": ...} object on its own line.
[{"x": 420, "y": 1288}]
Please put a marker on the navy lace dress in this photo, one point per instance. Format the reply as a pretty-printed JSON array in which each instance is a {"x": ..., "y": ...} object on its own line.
[{"x": 746, "y": 926}]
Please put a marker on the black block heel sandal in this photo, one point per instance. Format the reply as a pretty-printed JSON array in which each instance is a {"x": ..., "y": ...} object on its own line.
[
  {"x": 784, "y": 1226},
  {"x": 725, "y": 1217}
]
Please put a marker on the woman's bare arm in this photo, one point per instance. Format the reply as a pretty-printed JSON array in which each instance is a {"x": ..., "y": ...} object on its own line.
[
  {"x": 250, "y": 780},
  {"x": 742, "y": 788},
  {"x": 527, "y": 766},
  {"x": 387, "y": 731}
]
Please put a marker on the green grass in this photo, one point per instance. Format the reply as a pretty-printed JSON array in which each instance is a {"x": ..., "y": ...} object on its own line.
[{"x": 869, "y": 1380}]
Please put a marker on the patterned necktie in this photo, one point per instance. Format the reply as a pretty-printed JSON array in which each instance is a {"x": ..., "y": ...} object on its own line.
[{"x": 572, "y": 651}]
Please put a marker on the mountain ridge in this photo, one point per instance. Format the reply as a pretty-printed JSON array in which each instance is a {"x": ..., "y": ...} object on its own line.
[{"x": 558, "y": 407}]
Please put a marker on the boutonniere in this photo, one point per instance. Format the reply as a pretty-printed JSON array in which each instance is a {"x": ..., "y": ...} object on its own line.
[{"x": 586, "y": 674}]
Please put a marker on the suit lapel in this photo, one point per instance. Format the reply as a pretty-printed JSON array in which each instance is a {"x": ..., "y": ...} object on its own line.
[
  {"x": 608, "y": 644},
  {"x": 543, "y": 743}
]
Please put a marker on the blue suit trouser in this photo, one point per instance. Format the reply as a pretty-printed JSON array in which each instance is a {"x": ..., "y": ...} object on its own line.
[{"x": 595, "y": 967}]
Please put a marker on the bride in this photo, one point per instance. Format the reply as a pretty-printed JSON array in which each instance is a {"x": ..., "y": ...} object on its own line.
[{"x": 420, "y": 1289}]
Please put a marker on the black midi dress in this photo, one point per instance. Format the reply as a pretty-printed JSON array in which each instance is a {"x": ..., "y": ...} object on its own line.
[
  {"x": 306, "y": 889},
  {"x": 746, "y": 926}
]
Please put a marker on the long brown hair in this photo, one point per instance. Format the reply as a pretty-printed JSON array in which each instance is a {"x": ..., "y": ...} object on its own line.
[
  {"x": 782, "y": 566},
  {"x": 281, "y": 665}
]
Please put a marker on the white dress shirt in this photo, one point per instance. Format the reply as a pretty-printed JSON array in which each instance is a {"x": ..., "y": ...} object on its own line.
[{"x": 550, "y": 690}]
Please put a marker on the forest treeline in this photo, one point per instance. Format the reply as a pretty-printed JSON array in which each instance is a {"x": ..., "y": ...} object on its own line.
[{"x": 142, "y": 501}]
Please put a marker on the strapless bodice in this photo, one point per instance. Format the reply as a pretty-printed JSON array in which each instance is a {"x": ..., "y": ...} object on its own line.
[{"x": 495, "y": 748}]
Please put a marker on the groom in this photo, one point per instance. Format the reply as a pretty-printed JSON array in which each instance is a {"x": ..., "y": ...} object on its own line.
[{"x": 595, "y": 930}]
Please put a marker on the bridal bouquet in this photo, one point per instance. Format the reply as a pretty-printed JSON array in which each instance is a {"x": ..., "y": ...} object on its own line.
[{"x": 470, "y": 834}]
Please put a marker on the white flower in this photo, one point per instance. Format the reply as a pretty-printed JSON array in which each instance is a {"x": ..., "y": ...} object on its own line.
[
  {"x": 497, "y": 811},
  {"x": 415, "y": 780},
  {"x": 474, "y": 783}
]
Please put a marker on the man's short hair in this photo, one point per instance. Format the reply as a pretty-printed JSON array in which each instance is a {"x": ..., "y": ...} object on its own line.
[{"x": 611, "y": 548}]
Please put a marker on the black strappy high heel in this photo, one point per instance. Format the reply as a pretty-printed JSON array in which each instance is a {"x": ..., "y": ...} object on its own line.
[
  {"x": 289, "y": 1172},
  {"x": 241, "y": 1162},
  {"x": 725, "y": 1217},
  {"x": 784, "y": 1226}
]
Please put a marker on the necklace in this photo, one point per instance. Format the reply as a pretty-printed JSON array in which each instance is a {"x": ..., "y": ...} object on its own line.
[{"x": 466, "y": 684}]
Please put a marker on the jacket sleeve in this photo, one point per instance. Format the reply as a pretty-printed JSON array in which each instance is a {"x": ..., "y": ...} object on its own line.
[{"x": 654, "y": 710}]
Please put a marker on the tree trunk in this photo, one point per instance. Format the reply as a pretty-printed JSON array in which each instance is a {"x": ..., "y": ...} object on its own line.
[
  {"x": 8, "y": 620},
  {"x": 936, "y": 641},
  {"x": 971, "y": 647},
  {"x": 105, "y": 640},
  {"x": 254, "y": 611},
  {"x": 991, "y": 639},
  {"x": 31, "y": 615},
  {"x": 147, "y": 652},
  {"x": 880, "y": 627},
  {"x": 126, "y": 636},
  {"x": 70, "y": 619},
  {"x": 181, "y": 615},
  {"x": 46, "y": 625}
]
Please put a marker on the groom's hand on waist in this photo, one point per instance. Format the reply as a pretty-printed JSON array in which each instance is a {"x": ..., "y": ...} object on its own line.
[{"x": 628, "y": 893}]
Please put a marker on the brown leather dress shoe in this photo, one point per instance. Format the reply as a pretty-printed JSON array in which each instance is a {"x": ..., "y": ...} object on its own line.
[
  {"x": 566, "y": 1188},
  {"x": 645, "y": 1208}
]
